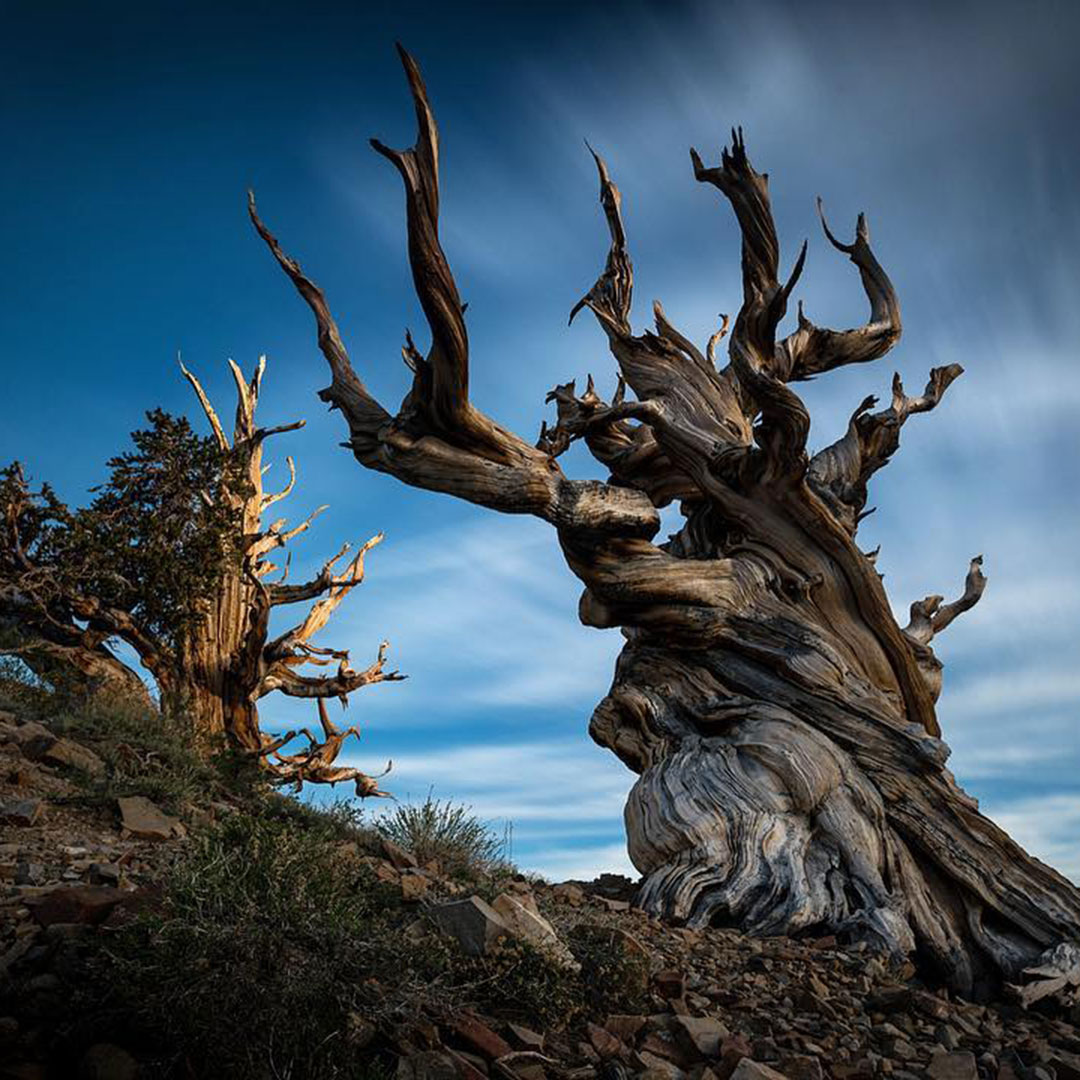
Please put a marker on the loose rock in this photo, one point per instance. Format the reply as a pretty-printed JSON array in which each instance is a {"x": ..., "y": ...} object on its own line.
[
  {"x": 142, "y": 818},
  {"x": 473, "y": 923}
]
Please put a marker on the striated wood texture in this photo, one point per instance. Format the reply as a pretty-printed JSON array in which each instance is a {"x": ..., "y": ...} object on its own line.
[
  {"x": 213, "y": 673},
  {"x": 791, "y": 774}
]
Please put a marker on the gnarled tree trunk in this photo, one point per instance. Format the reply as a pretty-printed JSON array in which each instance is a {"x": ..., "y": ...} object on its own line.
[
  {"x": 791, "y": 773},
  {"x": 213, "y": 668},
  {"x": 227, "y": 662}
]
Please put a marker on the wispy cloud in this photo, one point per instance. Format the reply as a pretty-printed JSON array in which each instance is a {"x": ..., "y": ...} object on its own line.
[
  {"x": 1047, "y": 826},
  {"x": 563, "y": 798},
  {"x": 944, "y": 123}
]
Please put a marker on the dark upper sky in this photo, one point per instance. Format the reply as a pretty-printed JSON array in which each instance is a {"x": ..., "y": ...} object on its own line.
[{"x": 130, "y": 133}]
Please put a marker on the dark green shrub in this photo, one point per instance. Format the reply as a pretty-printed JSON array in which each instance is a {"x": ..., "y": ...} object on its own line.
[
  {"x": 260, "y": 951},
  {"x": 614, "y": 969}
]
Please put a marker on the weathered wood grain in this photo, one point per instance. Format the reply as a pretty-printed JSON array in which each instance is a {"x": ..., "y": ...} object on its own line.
[{"x": 791, "y": 771}]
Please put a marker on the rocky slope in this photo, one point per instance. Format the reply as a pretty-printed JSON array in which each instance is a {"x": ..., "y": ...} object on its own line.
[{"x": 708, "y": 1005}]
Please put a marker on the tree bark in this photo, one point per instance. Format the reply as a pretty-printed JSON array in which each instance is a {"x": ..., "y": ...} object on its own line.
[
  {"x": 791, "y": 774},
  {"x": 227, "y": 661},
  {"x": 214, "y": 665},
  {"x": 69, "y": 662}
]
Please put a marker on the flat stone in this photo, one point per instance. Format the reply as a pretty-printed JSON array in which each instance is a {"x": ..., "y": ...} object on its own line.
[
  {"x": 954, "y": 1065},
  {"x": 413, "y": 886},
  {"x": 479, "y": 1036},
  {"x": 530, "y": 926},
  {"x": 427, "y": 1065},
  {"x": 20, "y": 812},
  {"x": 802, "y": 1067},
  {"x": 526, "y": 1070},
  {"x": 526, "y": 1038},
  {"x": 930, "y": 1005},
  {"x": 104, "y": 873},
  {"x": 31, "y": 873},
  {"x": 473, "y": 923},
  {"x": 604, "y": 1043},
  {"x": 670, "y": 983},
  {"x": 32, "y": 738},
  {"x": 755, "y": 1070},
  {"x": 569, "y": 893},
  {"x": 469, "y": 1066},
  {"x": 612, "y": 905},
  {"x": 387, "y": 873},
  {"x": 91, "y": 904},
  {"x": 143, "y": 819},
  {"x": 397, "y": 856},
  {"x": 71, "y": 755},
  {"x": 624, "y": 1026},
  {"x": 658, "y": 1068},
  {"x": 703, "y": 1034},
  {"x": 888, "y": 999}
]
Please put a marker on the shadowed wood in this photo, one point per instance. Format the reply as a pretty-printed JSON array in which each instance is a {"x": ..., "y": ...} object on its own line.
[{"x": 791, "y": 774}]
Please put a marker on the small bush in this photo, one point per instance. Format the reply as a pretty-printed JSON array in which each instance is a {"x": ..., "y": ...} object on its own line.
[
  {"x": 614, "y": 969},
  {"x": 513, "y": 981},
  {"x": 260, "y": 951},
  {"x": 145, "y": 754},
  {"x": 273, "y": 938},
  {"x": 460, "y": 842}
]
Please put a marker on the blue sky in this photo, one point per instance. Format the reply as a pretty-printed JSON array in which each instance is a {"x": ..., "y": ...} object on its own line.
[{"x": 132, "y": 131}]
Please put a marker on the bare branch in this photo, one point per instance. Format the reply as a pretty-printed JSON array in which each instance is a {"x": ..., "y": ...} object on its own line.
[
  {"x": 269, "y": 500},
  {"x": 280, "y": 593},
  {"x": 929, "y": 616},
  {"x": 840, "y": 472},
  {"x": 609, "y": 298},
  {"x": 715, "y": 339},
  {"x": 974, "y": 585},
  {"x": 204, "y": 401},
  {"x": 247, "y": 398},
  {"x": 694, "y": 412},
  {"x": 346, "y": 392},
  {"x": 273, "y": 537},
  {"x": 785, "y": 423},
  {"x": 316, "y": 764},
  {"x": 281, "y": 676},
  {"x": 265, "y": 433},
  {"x": 812, "y": 349},
  {"x": 319, "y": 615},
  {"x": 435, "y": 287}
]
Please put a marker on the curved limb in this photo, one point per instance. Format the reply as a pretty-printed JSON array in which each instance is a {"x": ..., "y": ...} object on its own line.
[
  {"x": 812, "y": 350},
  {"x": 840, "y": 472},
  {"x": 785, "y": 424}
]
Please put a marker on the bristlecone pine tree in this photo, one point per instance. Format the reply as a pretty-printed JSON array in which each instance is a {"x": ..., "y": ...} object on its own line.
[
  {"x": 172, "y": 558},
  {"x": 791, "y": 774}
]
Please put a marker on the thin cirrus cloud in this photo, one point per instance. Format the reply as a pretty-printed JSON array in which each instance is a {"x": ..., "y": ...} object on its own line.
[
  {"x": 988, "y": 472},
  {"x": 943, "y": 123}
]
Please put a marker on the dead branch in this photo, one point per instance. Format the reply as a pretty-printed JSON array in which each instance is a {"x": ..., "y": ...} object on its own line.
[{"x": 812, "y": 349}]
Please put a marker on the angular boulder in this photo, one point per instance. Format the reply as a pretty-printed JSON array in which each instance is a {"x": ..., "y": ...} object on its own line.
[
  {"x": 20, "y": 812},
  {"x": 702, "y": 1034},
  {"x": 754, "y": 1070},
  {"x": 143, "y": 819},
  {"x": 473, "y": 923},
  {"x": 72, "y": 755},
  {"x": 84, "y": 904},
  {"x": 957, "y": 1065},
  {"x": 527, "y": 924}
]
